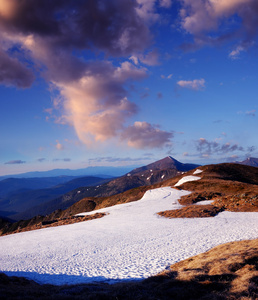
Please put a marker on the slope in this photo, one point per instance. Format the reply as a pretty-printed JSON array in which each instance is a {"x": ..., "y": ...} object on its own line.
[
  {"x": 21, "y": 201},
  {"x": 144, "y": 176}
]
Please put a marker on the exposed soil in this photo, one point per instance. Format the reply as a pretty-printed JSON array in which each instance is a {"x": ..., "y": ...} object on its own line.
[
  {"x": 54, "y": 223},
  {"x": 192, "y": 211},
  {"x": 228, "y": 271}
]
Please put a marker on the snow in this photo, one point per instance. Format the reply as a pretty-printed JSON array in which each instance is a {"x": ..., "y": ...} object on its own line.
[
  {"x": 186, "y": 179},
  {"x": 197, "y": 171},
  {"x": 130, "y": 242}
]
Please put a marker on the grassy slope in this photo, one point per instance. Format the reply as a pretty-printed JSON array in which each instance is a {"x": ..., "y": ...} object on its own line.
[{"x": 233, "y": 187}]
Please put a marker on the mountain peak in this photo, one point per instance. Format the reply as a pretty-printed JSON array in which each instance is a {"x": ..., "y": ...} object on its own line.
[
  {"x": 250, "y": 161},
  {"x": 167, "y": 162}
]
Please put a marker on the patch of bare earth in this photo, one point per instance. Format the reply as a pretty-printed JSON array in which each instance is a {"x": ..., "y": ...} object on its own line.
[
  {"x": 228, "y": 271},
  {"x": 192, "y": 211},
  {"x": 57, "y": 222}
]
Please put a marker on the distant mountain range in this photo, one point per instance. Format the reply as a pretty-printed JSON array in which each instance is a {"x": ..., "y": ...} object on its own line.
[
  {"x": 25, "y": 204},
  {"x": 14, "y": 201},
  {"x": 231, "y": 186},
  {"x": 45, "y": 202},
  {"x": 104, "y": 172}
]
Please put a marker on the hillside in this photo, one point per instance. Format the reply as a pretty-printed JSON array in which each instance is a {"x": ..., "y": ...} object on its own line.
[
  {"x": 232, "y": 187},
  {"x": 144, "y": 176},
  {"x": 18, "y": 201},
  {"x": 129, "y": 241}
]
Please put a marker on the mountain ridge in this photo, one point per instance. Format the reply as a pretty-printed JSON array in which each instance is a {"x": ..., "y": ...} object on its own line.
[{"x": 147, "y": 175}]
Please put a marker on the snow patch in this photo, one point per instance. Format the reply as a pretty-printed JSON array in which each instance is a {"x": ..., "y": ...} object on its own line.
[
  {"x": 198, "y": 171},
  {"x": 186, "y": 179},
  {"x": 131, "y": 242}
]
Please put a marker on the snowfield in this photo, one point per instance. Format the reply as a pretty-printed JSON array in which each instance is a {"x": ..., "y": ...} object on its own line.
[{"x": 131, "y": 242}]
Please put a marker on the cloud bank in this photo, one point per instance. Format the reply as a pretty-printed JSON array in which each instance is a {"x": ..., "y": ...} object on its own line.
[
  {"x": 66, "y": 41},
  {"x": 204, "y": 19}
]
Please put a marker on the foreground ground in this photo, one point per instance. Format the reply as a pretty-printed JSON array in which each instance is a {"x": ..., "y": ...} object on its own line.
[{"x": 228, "y": 271}]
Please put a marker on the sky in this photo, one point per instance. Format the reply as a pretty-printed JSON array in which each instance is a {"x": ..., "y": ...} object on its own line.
[{"x": 126, "y": 82}]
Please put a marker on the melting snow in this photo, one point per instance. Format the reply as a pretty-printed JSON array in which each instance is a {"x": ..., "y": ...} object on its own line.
[
  {"x": 131, "y": 242},
  {"x": 198, "y": 171},
  {"x": 186, "y": 179}
]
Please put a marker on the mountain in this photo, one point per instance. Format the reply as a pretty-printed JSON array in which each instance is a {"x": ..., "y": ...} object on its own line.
[
  {"x": 18, "y": 202},
  {"x": 163, "y": 164},
  {"x": 13, "y": 185},
  {"x": 104, "y": 172},
  {"x": 250, "y": 161},
  {"x": 144, "y": 176},
  {"x": 231, "y": 187}
]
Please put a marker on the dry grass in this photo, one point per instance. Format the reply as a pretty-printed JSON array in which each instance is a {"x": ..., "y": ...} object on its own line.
[
  {"x": 228, "y": 271},
  {"x": 192, "y": 211},
  {"x": 54, "y": 223}
]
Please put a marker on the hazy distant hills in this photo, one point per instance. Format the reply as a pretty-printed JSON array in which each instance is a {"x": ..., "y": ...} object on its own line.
[
  {"x": 90, "y": 171},
  {"x": 231, "y": 187},
  {"x": 27, "y": 204},
  {"x": 144, "y": 176},
  {"x": 24, "y": 199},
  {"x": 11, "y": 185}
]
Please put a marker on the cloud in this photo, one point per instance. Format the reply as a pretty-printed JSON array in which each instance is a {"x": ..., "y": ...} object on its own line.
[
  {"x": 41, "y": 159},
  {"x": 110, "y": 159},
  {"x": 97, "y": 105},
  {"x": 196, "y": 84},
  {"x": 251, "y": 113},
  {"x": 203, "y": 17},
  {"x": 14, "y": 73},
  {"x": 146, "y": 10},
  {"x": 150, "y": 59},
  {"x": 166, "y": 77},
  {"x": 62, "y": 159},
  {"x": 55, "y": 35},
  {"x": 15, "y": 162},
  {"x": 207, "y": 148},
  {"x": 111, "y": 26},
  {"x": 234, "y": 54},
  {"x": 165, "y": 3},
  {"x": 143, "y": 135},
  {"x": 159, "y": 95},
  {"x": 59, "y": 146}
]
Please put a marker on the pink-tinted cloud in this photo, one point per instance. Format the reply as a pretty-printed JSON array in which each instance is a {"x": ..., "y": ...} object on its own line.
[
  {"x": 143, "y": 135},
  {"x": 202, "y": 17},
  {"x": 59, "y": 146},
  {"x": 196, "y": 84},
  {"x": 56, "y": 34},
  {"x": 207, "y": 148}
]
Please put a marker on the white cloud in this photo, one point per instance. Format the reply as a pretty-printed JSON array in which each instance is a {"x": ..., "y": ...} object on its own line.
[{"x": 196, "y": 84}]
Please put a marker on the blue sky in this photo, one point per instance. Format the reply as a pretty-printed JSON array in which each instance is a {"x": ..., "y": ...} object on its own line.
[{"x": 126, "y": 82}]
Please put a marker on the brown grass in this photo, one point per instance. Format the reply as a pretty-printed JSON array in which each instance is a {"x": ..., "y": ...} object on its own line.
[
  {"x": 228, "y": 271},
  {"x": 192, "y": 211},
  {"x": 54, "y": 223}
]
